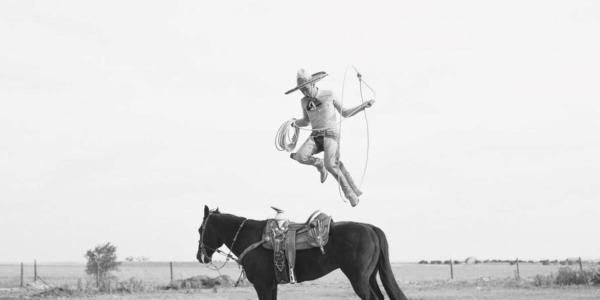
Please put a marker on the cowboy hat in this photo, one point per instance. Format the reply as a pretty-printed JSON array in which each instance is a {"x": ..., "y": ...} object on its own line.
[{"x": 304, "y": 79}]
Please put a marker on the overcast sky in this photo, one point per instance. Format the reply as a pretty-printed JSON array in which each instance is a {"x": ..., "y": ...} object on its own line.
[{"x": 120, "y": 120}]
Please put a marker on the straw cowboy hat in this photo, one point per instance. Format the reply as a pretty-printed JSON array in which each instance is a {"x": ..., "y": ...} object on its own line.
[{"x": 304, "y": 79}]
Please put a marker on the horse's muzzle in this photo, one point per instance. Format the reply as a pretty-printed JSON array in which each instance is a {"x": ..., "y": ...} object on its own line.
[{"x": 202, "y": 257}]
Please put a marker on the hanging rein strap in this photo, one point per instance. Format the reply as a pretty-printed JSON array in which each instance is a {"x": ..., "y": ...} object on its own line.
[{"x": 248, "y": 249}]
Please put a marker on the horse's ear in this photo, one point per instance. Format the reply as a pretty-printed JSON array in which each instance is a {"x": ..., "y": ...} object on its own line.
[
  {"x": 206, "y": 211},
  {"x": 217, "y": 210}
]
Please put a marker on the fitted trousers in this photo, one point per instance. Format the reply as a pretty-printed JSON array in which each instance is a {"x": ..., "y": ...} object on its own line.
[{"x": 331, "y": 160}]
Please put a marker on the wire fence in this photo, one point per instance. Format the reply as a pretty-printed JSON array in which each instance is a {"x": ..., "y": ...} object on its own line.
[
  {"x": 162, "y": 273},
  {"x": 72, "y": 274}
]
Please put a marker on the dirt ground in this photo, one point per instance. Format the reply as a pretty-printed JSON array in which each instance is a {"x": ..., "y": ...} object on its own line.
[
  {"x": 420, "y": 291},
  {"x": 344, "y": 293}
]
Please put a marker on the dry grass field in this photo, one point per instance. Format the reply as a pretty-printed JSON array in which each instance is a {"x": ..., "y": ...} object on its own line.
[{"x": 482, "y": 281}]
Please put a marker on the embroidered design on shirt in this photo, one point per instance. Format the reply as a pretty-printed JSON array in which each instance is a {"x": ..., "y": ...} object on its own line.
[{"x": 313, "y": 104}]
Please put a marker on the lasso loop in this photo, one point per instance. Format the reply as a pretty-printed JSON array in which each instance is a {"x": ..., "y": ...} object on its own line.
[{"x": 360, "y": 84}]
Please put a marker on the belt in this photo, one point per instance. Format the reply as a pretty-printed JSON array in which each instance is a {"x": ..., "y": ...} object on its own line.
[{"x": 327, "y": 132}]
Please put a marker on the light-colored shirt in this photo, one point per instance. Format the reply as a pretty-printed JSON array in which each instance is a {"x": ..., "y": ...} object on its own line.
[{"x": 324, "y": 115}]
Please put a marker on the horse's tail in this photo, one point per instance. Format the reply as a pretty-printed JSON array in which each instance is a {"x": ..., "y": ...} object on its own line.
[{"x": 385, "y": 269}]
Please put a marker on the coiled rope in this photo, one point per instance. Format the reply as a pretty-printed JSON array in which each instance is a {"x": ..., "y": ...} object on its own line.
[{"x": 283, "y": 139}]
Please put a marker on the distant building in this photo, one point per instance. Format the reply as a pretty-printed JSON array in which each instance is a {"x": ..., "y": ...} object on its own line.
[{"x": 471, "y": 260}]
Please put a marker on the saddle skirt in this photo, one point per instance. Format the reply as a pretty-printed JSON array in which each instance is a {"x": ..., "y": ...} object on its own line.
[{"x": 314, "y": 233}]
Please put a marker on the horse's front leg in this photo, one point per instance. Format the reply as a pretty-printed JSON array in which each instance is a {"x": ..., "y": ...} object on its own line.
[{"x": 266, "y": 292}]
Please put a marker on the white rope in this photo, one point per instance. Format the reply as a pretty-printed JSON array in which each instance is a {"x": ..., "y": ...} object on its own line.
[
  {"x": 361, "y": 81},
  {"x": 283, "y": 139}
]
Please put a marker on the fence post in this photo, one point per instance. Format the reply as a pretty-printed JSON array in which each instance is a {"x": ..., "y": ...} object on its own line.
[
  {"x": 34, "y": 270},
  {"x": 580, "y": 265},
  {"x": 21, "y": 274},
  {"x": 518, "y": 274},
  {"x": 97, "y": 273},
  {"x": 451, "y": 269},
  {"x": 171, "y": 269}
]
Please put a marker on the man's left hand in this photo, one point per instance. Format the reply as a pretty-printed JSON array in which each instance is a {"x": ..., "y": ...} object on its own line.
[{"x": 369, "y": 103}]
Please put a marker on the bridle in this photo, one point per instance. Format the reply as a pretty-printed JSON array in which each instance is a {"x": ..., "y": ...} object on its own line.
[{"x": 228, "y": 256}]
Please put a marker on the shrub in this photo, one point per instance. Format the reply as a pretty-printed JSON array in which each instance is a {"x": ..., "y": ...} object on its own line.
[
  {"x": 201, "y": 282},
  {"x": 56, "y": 292},
  {"x": 423, "y": 262},
  {"x": 568, "y": 276},
  {"x": 596, "y": 277},
  {"x": 543, "y": 280},
  {"x": 132, "y": 285}
]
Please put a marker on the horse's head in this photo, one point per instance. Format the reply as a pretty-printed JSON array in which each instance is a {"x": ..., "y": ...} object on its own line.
[{"x": 209, "y": 239}]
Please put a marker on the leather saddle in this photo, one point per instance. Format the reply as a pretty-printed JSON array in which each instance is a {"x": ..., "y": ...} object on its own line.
[{"x": 285, "y": 238}]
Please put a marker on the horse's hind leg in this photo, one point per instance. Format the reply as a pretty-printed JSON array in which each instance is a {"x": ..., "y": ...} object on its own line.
[
  {"x": 362, "y": 288},
  {"x": 375, "y": 286},
  {"x": 361, "y": 277},
  {"x": 266, "y": 292}
]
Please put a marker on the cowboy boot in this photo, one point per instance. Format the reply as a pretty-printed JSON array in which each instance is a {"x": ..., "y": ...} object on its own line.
[
  {"x": 346, "y": 188},
  {"x": 346, "y": 174},
  {"x": 351, "y": 196},
  {"x": 322, "y": 170}
]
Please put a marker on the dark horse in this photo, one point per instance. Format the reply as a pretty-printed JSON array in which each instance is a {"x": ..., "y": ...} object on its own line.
[{"x": 359, "y": 250}]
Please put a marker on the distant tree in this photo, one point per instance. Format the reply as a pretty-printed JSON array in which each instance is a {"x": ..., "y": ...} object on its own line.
[
  {"x": 423, "y": 262},
  {"x": 100, "y": 261},
  {"x": 142, "y": 259},
  {"x": 545, "y": 262}
]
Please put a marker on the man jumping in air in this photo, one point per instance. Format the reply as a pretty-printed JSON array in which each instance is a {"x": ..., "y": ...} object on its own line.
[{"x": 320, "y": 109}]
